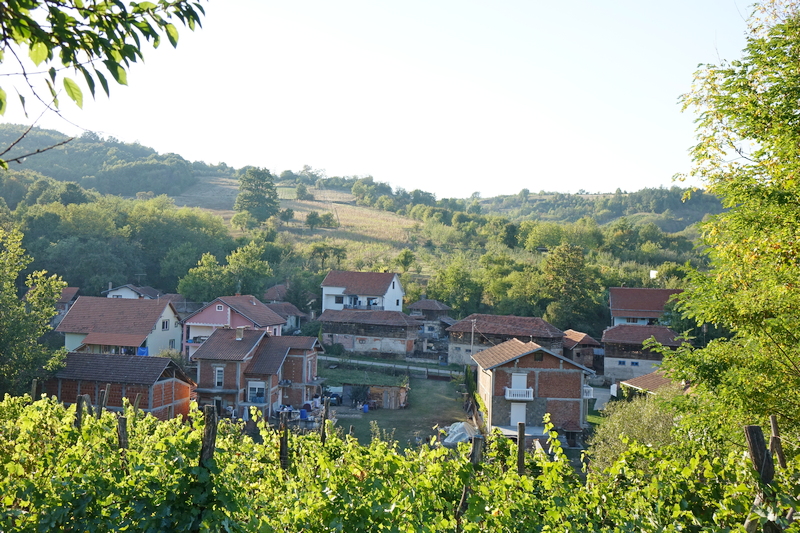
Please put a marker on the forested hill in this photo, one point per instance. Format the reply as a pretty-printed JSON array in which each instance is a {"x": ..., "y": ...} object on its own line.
[{"x": 106, "y": 165}]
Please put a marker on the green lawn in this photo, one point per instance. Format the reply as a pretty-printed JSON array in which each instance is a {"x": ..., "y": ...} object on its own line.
[{"x": 431, "y": 403}]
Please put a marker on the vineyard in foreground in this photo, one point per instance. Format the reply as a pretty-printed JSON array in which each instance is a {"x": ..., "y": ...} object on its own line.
[{"x": 57, "y": 475}]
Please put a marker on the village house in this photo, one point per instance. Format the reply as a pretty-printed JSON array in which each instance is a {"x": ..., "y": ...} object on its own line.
[
  {"x": 521, "y": 381},
  {"x": 163, "y": 388},
  {"x": 291, "y": 314},
  {"x": 276, "y": 293},
  {"x": 381, "y": 332},
  {"x": 120, "y": 326},
  {"x": 583, "y": 349},
  {"x": 69, "y": 295},
  {"x": 434, "y": 315},
  {"x": 625, "y": 354},
  {"x": 375, "y": 291},
  {"x": 132, "y": 292},
  {"x": 232, "y": 312},
  {"x": 637, "y": 306},
  {"x": 242, "y": 368},
  {"x": 478, "y": 332}
]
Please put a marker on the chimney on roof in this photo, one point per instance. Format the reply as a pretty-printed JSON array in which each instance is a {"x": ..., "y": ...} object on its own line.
[
  {"x": 110, "y": 285},
  {"x": 239, "y": 333}
]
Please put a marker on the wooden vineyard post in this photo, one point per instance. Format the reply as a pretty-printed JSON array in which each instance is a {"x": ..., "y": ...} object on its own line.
[
  {"x": 326, "y": 404},
  {"x": 102, "y": 401},
  {"x": 475, "y": 456},
  {"x": 122, "y": 432},
  {"x": 284, "y": 442},
  {"x": 764, "y": 465},
  {"x": 521, "y": 448},
  {"x": 775, "y": 446},
  {"x": 209, "y": 435},
  {"x": 79, "y": 412},
  {"x": 34, "y": 386},
  {"x": 136, "y": 401}
]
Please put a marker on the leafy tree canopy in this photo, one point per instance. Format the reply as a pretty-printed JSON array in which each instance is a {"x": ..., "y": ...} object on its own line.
[{"x": 257, "y": 194}]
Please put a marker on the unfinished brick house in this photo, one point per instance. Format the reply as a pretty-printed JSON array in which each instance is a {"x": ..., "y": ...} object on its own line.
[
  {"x": 164, "y": 388},
  {"x": 583, "y": 349},
  {"x": 242, "y": 368},
  {"x": 478, "y": 332},
  {"x": 626, "y": 357},
  {"x": 521, "y": 381},
  {"x": 378, "y": 332},
  {"x": 231, "y": 312}
]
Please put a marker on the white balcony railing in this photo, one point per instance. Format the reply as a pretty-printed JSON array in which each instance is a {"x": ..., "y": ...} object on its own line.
[
  {"x": 588, "y": 392},
  {"x": 519, "y": 394}
]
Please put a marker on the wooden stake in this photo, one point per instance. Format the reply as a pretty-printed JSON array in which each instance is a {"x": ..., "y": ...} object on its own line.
[
  {"x": 476, "y": 454},
  {"x": 284, "y": 442},
  {"x": 34, "y": 385},
  {"x": 352, "y": 430},
  {"x": 79, "y": 412},
  {"x": 136, "y": 401},
  {"x": 326, "y": 404},
  {"x": 775, "y": 446},
  {"x": 209, "y": 435},
  {"x": 521, "y": 448},
  {"x": 762, "y": 462},
  {"x": 122, "y": 432}
]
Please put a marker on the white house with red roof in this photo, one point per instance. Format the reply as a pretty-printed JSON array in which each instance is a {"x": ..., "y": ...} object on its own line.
[
  {"x": 133, "y": 292},
  {"x": 232, "y": 312},
  {"x": 375, "y": 291},
  {"x": 638, "y": 306},
  {"x": 120, "y": 326}
]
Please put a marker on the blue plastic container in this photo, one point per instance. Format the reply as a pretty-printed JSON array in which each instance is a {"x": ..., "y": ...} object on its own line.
[
  {"x": 303, "y": 414},
  {"x": 366, "y": 408}
]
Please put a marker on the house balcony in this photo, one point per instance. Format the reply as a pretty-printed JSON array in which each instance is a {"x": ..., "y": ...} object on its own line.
[
  {"x": 364, "y": 307},
  {"x": 519, "y": 395}
]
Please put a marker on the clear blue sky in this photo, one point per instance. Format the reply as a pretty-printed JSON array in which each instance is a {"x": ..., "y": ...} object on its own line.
[{"x": 448, "y": 96}]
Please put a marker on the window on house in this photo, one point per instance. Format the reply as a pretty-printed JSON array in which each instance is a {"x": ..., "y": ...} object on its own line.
[
  {"x": 177, "y": 323},
  {"x": 274, "y": 332},
  {"x": 634, "y": 363},
  {"x": 538, "y": 356},
  {"x": 164, "y": 325},
  {"x": 219, "y": 376},
  {"x": 431, "y": 328},
  {"x": 338, "y": 299},
  {"x": 172, "y": 344},
  {"x": 621, "y": 363},
  {"x": 256, "y": 392},
  {"x": 219, "y": 308},
  {"x": 393, "y": 284},
  {"x": 116, "y": 296},
  {"x": 632, "y": 320},
  {"x": 397, "y": 302}
]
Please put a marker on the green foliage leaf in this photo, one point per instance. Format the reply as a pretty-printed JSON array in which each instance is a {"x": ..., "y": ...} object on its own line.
[
  {"x": 3, "y": 102},
  {"x": 172, "y": 34},
  {"x": 38, "y": 53},
  {"x": 73, "y": 91}
]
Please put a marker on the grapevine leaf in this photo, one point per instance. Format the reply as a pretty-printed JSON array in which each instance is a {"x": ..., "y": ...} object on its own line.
[{"x": 73, "y": 91}]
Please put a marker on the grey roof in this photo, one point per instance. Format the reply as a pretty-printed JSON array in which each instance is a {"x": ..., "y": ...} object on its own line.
[
  {"x": 517, "y": 326},
  {"x": 429, "y": 305},
  {"x": 118, "y": 368},
  {"x": 378, "y": 318},
  {"x": 273, "y": 351}
]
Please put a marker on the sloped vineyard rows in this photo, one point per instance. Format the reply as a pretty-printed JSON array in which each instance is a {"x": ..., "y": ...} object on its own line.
[{"x": 55, "y": 476}]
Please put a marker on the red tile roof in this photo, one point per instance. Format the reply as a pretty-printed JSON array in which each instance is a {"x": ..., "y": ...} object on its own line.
[
  {"x": 118, "y": 368},
  {"x": 512, "y": 349},
  {"x": 649, "y": 382},
  {"x": 360, "y": 283},
  {"x": 273, "y": 351},
  {"x": 222, "y": 345},
  {"x": 633, "y": 334},
  {"x": 429, "y": 305},
  {"x": 572, "y": 338},
  {"x": 286, "y": 309},
  {"x": 639, "y": 303},
  {"x": 276, "y": 293},
  {"x": 68, "y": 294},
  {"x": 90, "y": 314},
  {"x": 252, "y": 308},
  {"x": 378, "y": 318},
  {"x": 517, "y": 326}
]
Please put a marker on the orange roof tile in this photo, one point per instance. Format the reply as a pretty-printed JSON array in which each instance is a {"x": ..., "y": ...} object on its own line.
[
  {"x": 517, "y": 326},
  {"x": 639, "y": 302},
  {"x": 91, "y": 314},
  {"x": 572, "y": 338},
  {"x": 634, "y": 334}
]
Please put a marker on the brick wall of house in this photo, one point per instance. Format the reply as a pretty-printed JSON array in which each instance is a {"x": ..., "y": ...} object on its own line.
[
  {"x": 293, "y": 369},
  {"x": 207, "y": 377},
  {"x": 560, "y": 384},
  {"x": 564, "y": 412}
]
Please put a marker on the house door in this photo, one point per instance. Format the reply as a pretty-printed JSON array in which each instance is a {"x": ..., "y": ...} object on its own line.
[{"x": 517, "y": 413}]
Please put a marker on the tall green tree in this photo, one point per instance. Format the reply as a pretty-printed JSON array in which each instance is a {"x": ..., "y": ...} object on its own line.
[
  {"x": 24, "y": 321},
  {"x": 748, "y": 153},
  {"x": 257, "y": 194}
]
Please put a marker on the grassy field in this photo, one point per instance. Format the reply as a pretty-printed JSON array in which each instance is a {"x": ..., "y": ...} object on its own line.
[{"x": 431, "y": 403}]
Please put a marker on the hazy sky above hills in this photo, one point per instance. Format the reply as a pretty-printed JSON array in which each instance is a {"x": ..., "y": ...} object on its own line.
[{"x": 449, "y": 96}]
